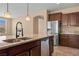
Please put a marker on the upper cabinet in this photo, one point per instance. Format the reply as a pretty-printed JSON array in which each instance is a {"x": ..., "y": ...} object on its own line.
[
  {"x": 70, "y": 19},
  {"x": 77, "y": 19},
  {"x": 64, "y": 20},
  {"x": 55, "y": 16}
]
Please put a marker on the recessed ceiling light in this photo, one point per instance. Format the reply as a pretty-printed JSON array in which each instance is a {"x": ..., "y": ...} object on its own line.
[{"x": 57, "y": 3}]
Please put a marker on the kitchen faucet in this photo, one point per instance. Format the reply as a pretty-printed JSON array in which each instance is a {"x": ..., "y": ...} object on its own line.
[{"x": 19, "y": 31}]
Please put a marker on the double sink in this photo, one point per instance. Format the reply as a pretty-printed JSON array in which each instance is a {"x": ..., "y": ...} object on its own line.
[{"x": 16, "y": 40}]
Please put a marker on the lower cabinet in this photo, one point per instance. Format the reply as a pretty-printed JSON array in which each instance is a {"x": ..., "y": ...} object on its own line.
[
  {"x": 51, "y": 48},
  {"x": 3, "y": 53},
  {"x": 35, "y": 51},
  {"x": 41, "y": 47},
  {"x": 27, "y": 49},
  {"x": 26, "y": 53},
  {"x": 69, "y": 40},
  {"x": 64, "y": 40},
  {"x": 17, "y": 50}
]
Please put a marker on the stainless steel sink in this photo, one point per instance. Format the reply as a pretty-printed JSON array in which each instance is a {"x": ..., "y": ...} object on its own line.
[
  {"x": 12, "y": 40},
  {"x": 25, "y": 38},
  {"x": 16, "y": 40}
]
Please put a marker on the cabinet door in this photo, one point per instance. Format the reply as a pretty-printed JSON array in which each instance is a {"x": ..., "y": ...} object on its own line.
[
  {"x": 77, "y": 19},
  {"x": 35, "y": 51},
  {"x": 16, "y": 50},
  {"x": 3, "y": 53},
  {"x": 25, "y": 53},
  {"x": 55, "y": 16},
  {"x": 64, "y": 19},
  {"x": 64, "y": 40},
  {"x": 72, "y": 19},
  {"x": 58, "y": 16},
  {"x": 74, "y": 41},
  {"x": 51, "y": 17},
  {"x": 51, "y": 46}
]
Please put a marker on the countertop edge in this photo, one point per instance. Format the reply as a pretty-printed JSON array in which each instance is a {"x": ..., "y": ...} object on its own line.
[{"x": 8, "y": 45}]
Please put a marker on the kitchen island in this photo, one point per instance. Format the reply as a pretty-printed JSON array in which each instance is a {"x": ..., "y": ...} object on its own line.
[{"x": 38, "y": 45}]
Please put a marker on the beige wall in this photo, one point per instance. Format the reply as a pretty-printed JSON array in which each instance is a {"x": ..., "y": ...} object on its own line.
[
  {"x": 9, "y": 26},
  {"x": 42, "y": 23},
  {"x": 71, "y": 29},
  {"x": 35, "y": 26},
  {"x": 28, "y": 25}
]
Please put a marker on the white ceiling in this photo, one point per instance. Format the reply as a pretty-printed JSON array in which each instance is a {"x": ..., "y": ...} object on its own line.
[{"x": 19, "y": 9}]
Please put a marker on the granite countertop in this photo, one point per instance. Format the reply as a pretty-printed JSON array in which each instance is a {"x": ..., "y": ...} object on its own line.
[
  {"x": 71, "y": 33},
  {"x": 4, "y": 45}
]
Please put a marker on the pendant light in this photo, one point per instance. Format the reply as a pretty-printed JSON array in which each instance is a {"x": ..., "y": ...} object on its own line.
[
  {"x": 27, "y": 17},
  {"x": 7, "y": 14}
]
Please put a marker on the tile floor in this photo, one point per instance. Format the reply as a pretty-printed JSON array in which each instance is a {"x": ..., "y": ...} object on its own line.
[{"x": 65, "y": 51}]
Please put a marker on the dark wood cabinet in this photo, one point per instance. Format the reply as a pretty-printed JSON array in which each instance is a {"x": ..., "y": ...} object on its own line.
[
  {"x": 55, "y": 16},
  {"x": 33, "y": 48},
  {"x": 25, "y": 53},
  {"x": 3, "y": 53},
  {"x": 51, "y": 48},
  {"x": 70, "y": 19},
  {"x": 16, "y": 50},
  {"x": 35, "y": 51},
  {"x": 58, "y": 16},
  {"x": 77, "y": 19},
  {"x": 74, "y": 41},
  {"x": 24, "y": 49},
  {"x": 69, "y": 40},
  {"x": 50, "y": 17},
  {"x": 64, "y": 40},
  {"x": 64, "y": 20}
]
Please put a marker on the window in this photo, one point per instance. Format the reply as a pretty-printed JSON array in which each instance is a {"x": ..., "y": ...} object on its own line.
[
  {"x": 2, "y": 25},
  {"x": 5, "y": 26}
]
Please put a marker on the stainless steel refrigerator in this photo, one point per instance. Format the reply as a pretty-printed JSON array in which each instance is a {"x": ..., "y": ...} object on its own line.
[{"x": 53, "y": 28}]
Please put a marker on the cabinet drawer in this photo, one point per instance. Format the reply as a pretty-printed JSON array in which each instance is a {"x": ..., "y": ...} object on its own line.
[
  {"x": 22, "y": 48},
  {"x": 64, "y": 43},
  {"x": 16, "y": 49},
  {"x": 64, "y": 40},
  {"x": 3, "y": 53},
  {"x": 35, "y": 51},
  {"x": 51, "y": 48},
  {"x": 26, "y": 53},
  {"x": 32, "y": 44}
]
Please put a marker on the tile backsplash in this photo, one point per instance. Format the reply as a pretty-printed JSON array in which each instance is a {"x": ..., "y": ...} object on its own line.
[{"x": 70, "y": 30}]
